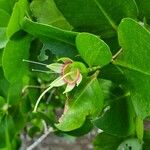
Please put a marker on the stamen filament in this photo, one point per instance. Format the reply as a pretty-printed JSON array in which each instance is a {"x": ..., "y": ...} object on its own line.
[{"x": 34, "y": 62}]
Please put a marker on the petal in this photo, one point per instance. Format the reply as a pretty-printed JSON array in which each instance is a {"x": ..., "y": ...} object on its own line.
[
  {"x": 79, "y": 80},
  {"x": 69, "y": 88},
  {"x": 65, "y": 59},
  {"x": 58, "y": 82},
  {"x": 56, "y": 67}
]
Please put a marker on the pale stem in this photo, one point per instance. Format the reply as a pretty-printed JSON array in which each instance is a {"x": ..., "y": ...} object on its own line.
[
  {"x": 38, "y": 101},
  {"x": 32, "y": 146}
]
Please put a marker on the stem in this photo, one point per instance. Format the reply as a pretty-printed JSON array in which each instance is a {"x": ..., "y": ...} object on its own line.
[
  {"x": 39, "y": 99},
  {"x": 93, "y": 69},
  {"x": 116, "y": 55},
  {"x": 32, "y": 146}
]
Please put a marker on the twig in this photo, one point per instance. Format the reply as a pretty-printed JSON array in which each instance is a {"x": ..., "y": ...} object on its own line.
[{"x": 39, "y": 140}]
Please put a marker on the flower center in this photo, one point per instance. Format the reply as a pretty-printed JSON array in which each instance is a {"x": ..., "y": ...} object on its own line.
[{"x": 73, "y": 77}]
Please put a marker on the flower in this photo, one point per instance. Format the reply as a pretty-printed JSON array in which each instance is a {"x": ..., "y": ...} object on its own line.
[{"x": 70, "y": 73}]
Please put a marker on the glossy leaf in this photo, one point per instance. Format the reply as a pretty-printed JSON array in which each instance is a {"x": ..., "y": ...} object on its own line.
[
  {"x": 87, "y": 101},
  {"x": 135, "y": 41},
  {"x": 15, "y": 51},
  {"x": 96, "y": 16},
  {"x": 93, "y": 50}
]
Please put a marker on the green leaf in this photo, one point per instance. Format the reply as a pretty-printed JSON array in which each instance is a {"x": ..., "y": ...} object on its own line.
[
  {"x": 87, "y": 101},
  {"x": 51, "y": 15},
  {"x": 133, "y": 61},
  {"x": 15, "y": 51},
  {"x": 4, "y": 85},
  {"x": 106, "y": 142},
  {"x": 139, "y": 128},
  {"x": 4, "y": 17},
  {"x": 84, "y": 129},
  {"x": 118, "y": 120},
  {"x": 1, "y": 53},
  {"x": 7, "y": 5},
  {"x": 93, "y": 50},
  {"x": 43, "y": 30},
  {"x": 3, "y": 37},
  {"x": 7, "y": 132},
  {"x": 17, "y": 16},
  {"x": 57, "y": 48},
  {"x": 144, "y": 10},
  {"x": 14, "y": 93},
  {"x": 96, "y": 16},
  {"x": 130, "y": 144}
]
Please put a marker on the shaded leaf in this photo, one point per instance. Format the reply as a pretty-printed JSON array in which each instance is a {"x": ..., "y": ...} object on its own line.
[
  {"x": 106, "y": 142},
  {"x": 118, "y": 120},
  {"x": 96, "y": 16}
]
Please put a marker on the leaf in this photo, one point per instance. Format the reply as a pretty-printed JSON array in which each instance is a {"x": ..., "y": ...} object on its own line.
[
  {"x": 106, "y": 142},
  {"x": 144, "y": 10},
  {"x": 14, "y": 93},
  {"x": 87, "y": 101},
  {"x": 130, "y": 144},
  {"x": 1, "y": 53},
  {"x": 43, "y": 30},
  {"x": 57, "y": 48},
  {"x": 17, "y": 16},
  {"x": 93, "y": 50},
  {"x": 4, "y": 17},
  {"x": 51, "y": 15},
  {"x": 15, "y": 51},
  {"x": 133, "y": 61},
  {"x": 7, "y": 132},
  {"x": 84, "y": 129},
  {"x": 118, "y": 120},
  {"x": 7, "y": 5},
  {"x": 3, "y": 37},
  {"x": 96, "y": 16},
  {"x": 4, "y": 85}
]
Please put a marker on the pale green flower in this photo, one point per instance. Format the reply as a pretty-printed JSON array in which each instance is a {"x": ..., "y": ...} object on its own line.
[{"x": 70, "y": 74}]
